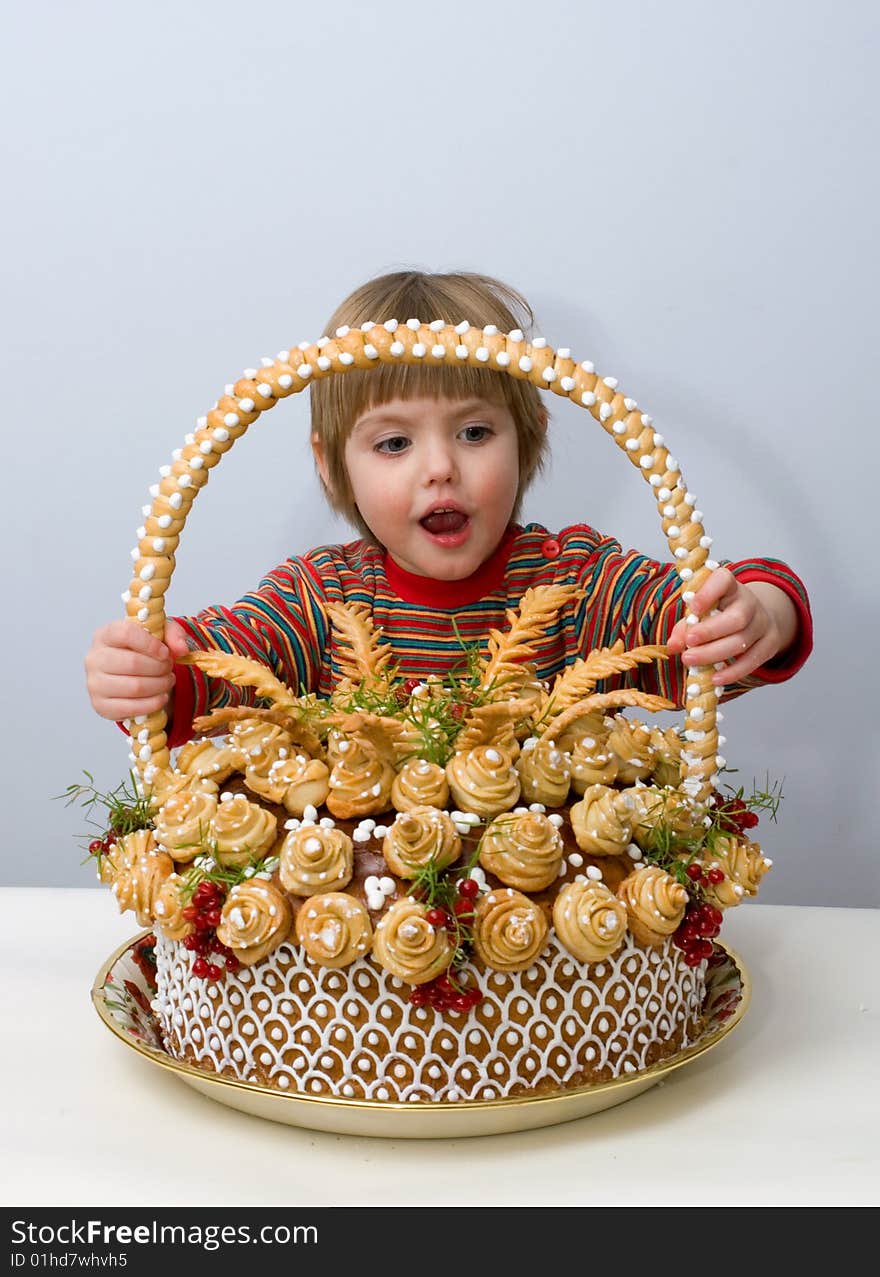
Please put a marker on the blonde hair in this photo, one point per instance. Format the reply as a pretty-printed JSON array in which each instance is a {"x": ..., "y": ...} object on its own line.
[{"x": 338, "y": 402}]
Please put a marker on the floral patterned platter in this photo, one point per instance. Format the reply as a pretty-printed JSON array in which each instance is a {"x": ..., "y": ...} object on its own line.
[{"x": 123, "y": 989}]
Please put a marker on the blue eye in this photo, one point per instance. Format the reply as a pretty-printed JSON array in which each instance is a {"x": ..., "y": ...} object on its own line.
[
  {"x": 476, "y": 433},
  {"x": 396, "y": 444}
]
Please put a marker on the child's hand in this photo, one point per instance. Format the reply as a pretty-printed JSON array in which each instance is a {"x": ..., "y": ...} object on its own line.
[
  {"x": 128, "y": 671},
  {"x": 754, "y": 621}
]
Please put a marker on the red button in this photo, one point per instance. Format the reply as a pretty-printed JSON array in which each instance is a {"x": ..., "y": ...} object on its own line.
[{"x": 551, "y": 548}]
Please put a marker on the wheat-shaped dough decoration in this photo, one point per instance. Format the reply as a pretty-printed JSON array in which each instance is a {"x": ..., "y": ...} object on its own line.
[
  {"x": 485, "y": 723},
  {"x": 604, "y": 700},
  {"x": 361, "y": 657},
  {"x": 243, "y": 672},
  {"x": 508, "y": 649},
  {"x": 578, "y": 680},
  {"x": 380, "y": 731}
]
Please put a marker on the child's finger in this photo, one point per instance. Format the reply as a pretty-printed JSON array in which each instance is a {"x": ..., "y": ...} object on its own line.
[
  {"x": 720, "y": 585},
  {"x": 133, "y": 637},
  {"x": 730, "y": 648}
]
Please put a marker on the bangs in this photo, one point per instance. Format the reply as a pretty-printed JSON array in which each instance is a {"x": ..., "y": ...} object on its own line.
[{"x": 349, "y": 396}]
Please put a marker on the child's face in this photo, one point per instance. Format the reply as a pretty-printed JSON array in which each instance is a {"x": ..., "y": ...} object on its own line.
[{"x": 435, "y": 480}]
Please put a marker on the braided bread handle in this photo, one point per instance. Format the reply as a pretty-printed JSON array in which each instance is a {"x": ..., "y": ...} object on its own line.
[{"x": 436, "y": 343}]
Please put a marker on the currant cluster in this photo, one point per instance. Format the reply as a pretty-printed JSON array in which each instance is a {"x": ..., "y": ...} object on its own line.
[
  {"x": 103, "y": 846},
  {"x": 735, "y": 817},
  {"x": 204, "y": 913},
  {"x": 446, "y": 993},
  {"x": 694, "y": 937}
]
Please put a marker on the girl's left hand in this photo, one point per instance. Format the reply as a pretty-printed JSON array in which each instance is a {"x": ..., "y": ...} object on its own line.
[{"x": 748, "y": 629}]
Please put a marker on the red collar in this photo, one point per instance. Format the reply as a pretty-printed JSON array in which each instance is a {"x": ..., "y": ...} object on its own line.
[{"x": 449, "y": 595}]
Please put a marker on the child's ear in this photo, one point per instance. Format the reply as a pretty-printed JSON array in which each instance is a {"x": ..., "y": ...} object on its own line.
[{"x": 321, "y": 462}]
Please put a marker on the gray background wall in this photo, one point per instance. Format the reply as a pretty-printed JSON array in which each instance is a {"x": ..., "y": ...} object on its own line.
[{"x": 685, "y": 192}]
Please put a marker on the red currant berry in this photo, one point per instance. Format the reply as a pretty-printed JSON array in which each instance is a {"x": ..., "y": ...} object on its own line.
[
  {"x": 692, "y": 959},
  {"x": 468, "y": 888},
  {"x": 464, "y": 908},
  {"x": 436, "y": 917},
  {"x": 715, "y": 875},
  {"x": 694, "y": 871},
  {"x": 705, "y": 948},
  {"x": 715, "y": 914},
  {"x": 461, "y": 1002},
  {"x": 214, "y": 972},
  {"x": 190, "y": 912},
  {"x": 689, "y": 931},
  {"x": 232, "y": 963},
  {"x": 191, "y": 943},
  {"x": 97, "y": 846},
  {"x": 475, "y": 997},
  {"x": 417, "y": 998},
  {"x": 204, "y": 891},
  {"x": 212, "y": 917},
  {"x": 200, "y": 968}
]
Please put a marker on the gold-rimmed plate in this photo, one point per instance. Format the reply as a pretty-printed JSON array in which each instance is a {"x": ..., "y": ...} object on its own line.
[{"x": 122, "y": 994}]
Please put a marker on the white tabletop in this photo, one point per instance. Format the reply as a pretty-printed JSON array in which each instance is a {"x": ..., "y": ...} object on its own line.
[{"x": 784, "y": 1110}]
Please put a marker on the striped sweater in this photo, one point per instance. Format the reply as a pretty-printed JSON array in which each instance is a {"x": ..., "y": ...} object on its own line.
[{"x": 626, "y": 595}]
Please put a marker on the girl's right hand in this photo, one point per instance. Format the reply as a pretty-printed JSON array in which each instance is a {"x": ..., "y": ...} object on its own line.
[{"x": 129, "y": 672}]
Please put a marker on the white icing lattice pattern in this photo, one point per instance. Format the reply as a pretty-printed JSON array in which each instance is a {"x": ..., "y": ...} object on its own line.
[{"x": 296, "y": 1026}]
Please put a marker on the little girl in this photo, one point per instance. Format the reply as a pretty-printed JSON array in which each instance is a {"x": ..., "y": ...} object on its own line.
[{"x": 431, "y": 464}]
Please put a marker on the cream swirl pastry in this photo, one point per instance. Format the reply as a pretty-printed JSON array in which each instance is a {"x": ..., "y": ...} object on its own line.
[
  {"x": 589, "y": 920},
  {"x": 142, "y": 872},
  {"x": 667, "y": 756},
  {"x": 655, "y": 903},
  {"x": 260, "y": 742},
  {"x": 205, "y": 758},
  {"x": 743, "y": 864},
  {"x": 509, "y": 930},
  {"x": 166, "y": 783},
  {"x": 483, "y": 780},
  {"x": 315, "y": 859},
  {"x": 360, "y": 781},
  {"x": 525, "y": 851},
  {"x": 256, "y": 918},
  {"x": 168, "y": 906},
  {"x": 406, "y": 944},
  {"x": 308, "y": 783},
  {"x": 592, "y": 762},
  {"x": 602, "y": 821},
  {"x": 544, "y": 773},
  {"x": 631, "y": 742},
  {"x": 420, "y": 836},
  {"x": 334, "y": 929},
  {"x": 420, "y": 783},
  {"x": 669, "y": 812},
  {"x": 593, "y": 726},
  {"x": 243, "y": 831},
  {"x": 184, "y": 824}
]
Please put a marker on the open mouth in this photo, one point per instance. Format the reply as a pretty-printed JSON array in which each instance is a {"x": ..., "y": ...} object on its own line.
[{"x": 444, "y": 521}]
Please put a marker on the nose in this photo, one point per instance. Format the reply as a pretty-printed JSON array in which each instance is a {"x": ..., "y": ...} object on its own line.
[{"x": 438, "y": 461}]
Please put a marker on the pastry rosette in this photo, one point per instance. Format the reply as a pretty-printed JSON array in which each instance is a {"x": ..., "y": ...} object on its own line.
[
  {"x": 165, "y": 783},
  {"x": 184, "y": 824},
  {"x": 255, "y": 919},
  {"x": 418, "y": 837},
  {"x": 296, "y": 781},
  {"x": 589, "y": 920},
  {"x": 315, "y": 859},
  {"x": 525, "y": 851},
  {"x": 590, "y": 730},
  {"x": 602, "y": 821},
  {"x": 168, "y": 906},
  {"x": 652, "y": 808},
  {"x": 631, "y": 742},
  {"x": 667, "y": 756},
  {"x": 544, "y": 773},
  {"x": 260, "y": 742},
  {"x": 205, "y": 758},
  {"x": 655, "y": 903},
  {"x": 334, "y": 929},
  {"x": 142, "y": 870},
  {"x": 743, "y": 864},
  {"x": 509, "y": 930},
  {"x": 592, "y": 762},
  {"x": 243, "y": 831},
  {"x": 420, "y": 783},
  {"x": 483, "y": 780},
  {"x": 406, "y": 944},
  {"x": 360, "y": 782}
]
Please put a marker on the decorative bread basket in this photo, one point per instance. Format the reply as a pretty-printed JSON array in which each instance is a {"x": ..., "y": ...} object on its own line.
[{"x": 584, "y": 960}]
